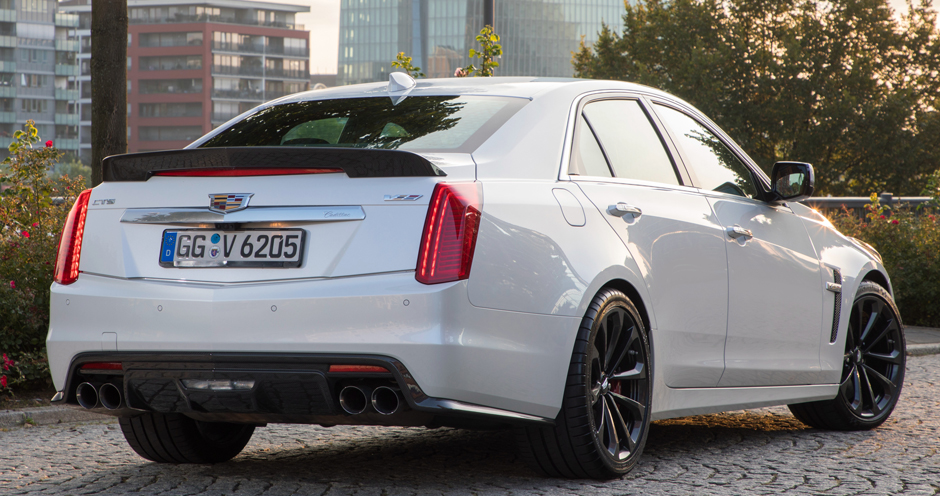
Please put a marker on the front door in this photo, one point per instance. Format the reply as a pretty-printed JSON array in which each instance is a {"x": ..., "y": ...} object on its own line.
[{"x": 774, "y": 280}]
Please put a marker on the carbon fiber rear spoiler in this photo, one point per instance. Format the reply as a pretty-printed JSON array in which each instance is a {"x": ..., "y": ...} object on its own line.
[{"x": 355, "y": 162}]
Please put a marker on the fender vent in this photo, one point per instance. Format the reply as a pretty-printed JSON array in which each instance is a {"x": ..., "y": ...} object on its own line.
[{"x": 837, "y": 310}]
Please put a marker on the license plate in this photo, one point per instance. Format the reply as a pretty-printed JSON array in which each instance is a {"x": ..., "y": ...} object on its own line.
[{"x": 246, "y": 248}]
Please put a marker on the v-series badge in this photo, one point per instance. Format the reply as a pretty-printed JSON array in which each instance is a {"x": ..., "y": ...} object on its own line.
[
  {"x": 402, "y": 197},
  {"x": 109, "y": 201}
]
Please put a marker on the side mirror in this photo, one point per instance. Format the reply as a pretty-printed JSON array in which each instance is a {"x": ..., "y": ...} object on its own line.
[{"x": 792, "y": 181}]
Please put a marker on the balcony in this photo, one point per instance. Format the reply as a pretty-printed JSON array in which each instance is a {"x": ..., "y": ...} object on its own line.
[
  {"x": 254, "y": 95},
  {"x": 63, "y": 94},
  {"x": 66, "y": 70},
  {"x": 66, "y": 143},
  {"x": 241, "y": 70},
  {"x": 7, "y": 117},
  {"x": 7, "y": 92},
  {"x": 7, "y": 15},
  {"x": 221, "y": 117},
  {"x": 271, "y": 95},
  {"x": 289, "y": 51},
  {"x": 66, "y": 20},
  {"x": 66, "y": 45},
  {"x": 66, "y": 119},
  {"x": 7, "y": 66},
  {"x": 223, "y": 46},
  {"x": 7, "y": 41},
  {"x": 5, "y": 142},
  {"x": 180, "y": 18},
  {"x": 286, "y": 73}
]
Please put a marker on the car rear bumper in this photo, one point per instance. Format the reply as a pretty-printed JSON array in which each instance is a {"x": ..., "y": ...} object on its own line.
[{"x": 478, "y": 358}]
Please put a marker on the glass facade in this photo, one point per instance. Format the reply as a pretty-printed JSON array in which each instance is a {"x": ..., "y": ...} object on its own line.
[{"x": 538, "y": 36}]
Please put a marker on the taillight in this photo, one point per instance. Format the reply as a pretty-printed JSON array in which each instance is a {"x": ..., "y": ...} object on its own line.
[
  {"x": 450, "y": 233},
  {"x": 70, "y": 244},
  {"x": 245, "y": 172}
]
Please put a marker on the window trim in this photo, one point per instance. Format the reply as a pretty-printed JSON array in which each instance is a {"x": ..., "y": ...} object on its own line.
[
  {"x": 570, "y": 171},
  {"x": 757, "y": 175}
]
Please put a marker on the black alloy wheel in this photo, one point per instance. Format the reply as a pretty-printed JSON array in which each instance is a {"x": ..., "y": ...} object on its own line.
[
  {"x": 604, "y": 419},
  {"x": 872, "y": 368}
]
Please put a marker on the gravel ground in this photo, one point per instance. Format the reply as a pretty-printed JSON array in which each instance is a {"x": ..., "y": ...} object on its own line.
[{"x": 763, "y": 451}]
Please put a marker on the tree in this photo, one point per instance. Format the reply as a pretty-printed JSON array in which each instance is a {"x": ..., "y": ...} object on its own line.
[
  {"x": 490, "y": 51},
  {"x": 840, "y": 84},
  {"x": 109, "y": 78}
]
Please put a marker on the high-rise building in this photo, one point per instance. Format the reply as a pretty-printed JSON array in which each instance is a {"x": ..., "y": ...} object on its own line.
[
  {"x": 38, "y": 72},
  {"x": 192, "y": 65},
  {"x": 538, "y": 36}
]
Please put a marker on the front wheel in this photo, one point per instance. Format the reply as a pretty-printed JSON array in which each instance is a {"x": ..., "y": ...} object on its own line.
[
  {"x": 176, "y": 438},
  {"x": 605, "y": 414},
  {"x": 872, "y": 369}
]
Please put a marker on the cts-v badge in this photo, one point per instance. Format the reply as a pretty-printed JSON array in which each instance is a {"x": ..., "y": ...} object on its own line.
[
  {"x": 402, "y": 197},
  {"x": 229, "y": 202}
]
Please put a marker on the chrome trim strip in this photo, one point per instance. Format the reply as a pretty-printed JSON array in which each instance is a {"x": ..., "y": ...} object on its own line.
[
  {"x": 834, "y": 287},
  {"x": 253, "y": 214},
  {"x": 460, "y": 406}
]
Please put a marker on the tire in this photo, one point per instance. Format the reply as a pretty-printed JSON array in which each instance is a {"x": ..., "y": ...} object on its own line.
[
  {"x": 873, "y": 367},
  {"x": 602, "y": 426},
  {"x": 176, "y": 438}
]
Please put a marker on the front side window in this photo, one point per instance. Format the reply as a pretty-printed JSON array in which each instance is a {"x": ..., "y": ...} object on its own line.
[
  {"x": 431, "y": 123},
  {"x": 631, "y": 144},
  {"x": 715, "y": 166}
]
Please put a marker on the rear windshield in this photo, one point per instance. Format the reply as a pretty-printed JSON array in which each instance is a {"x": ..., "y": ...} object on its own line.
[{"x": 422, "y": 123}]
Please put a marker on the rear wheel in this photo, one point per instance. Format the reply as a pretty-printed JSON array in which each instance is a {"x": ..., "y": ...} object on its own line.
[
  {"x": 176, "y": 438},
  {"x": 604, "y": 419},
  {"x": 872, "y": 369}
]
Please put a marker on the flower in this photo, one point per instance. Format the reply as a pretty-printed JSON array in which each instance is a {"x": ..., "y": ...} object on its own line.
[
  {"x": 7, "y": 363},
  {"x": 883, "y": 217},
  {"x": 895, "y": 221},
  {"x": 12, "y": 284},
  {"x": 25, "y": 234},
  {"x": 49, "y": 144},
  {"x": 460, "y": 72},
  {"x": 35, "y": 224},
  {"x": 3, "y": 381}
]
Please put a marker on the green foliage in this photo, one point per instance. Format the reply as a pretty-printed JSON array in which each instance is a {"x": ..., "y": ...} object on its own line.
[
  {"x": 404, "y": 62},
  {"x": 909, "y": 242},
  {"x": 490, "y": 50},
  {"x": 841, "y": 84},
  {"x": 72, "y": 167},
  {"x": 31, "y": 221}
]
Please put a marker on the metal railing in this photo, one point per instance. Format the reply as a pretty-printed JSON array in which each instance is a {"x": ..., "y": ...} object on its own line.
[
  {"x": 241, "y": 70},
  {"x": 182, "y": 18},
  {"x": 239, "y": 94}
]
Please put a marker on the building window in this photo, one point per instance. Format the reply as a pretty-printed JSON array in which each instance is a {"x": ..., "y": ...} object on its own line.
[
  {"x": 188, "y": 109},
  {"x": 170, "y": 39},
  {"x": 33, "y": 106},
  {"x": 179, "y": 62},
  {"x": 33, "y": 80},
  {"x": 169, "y": 133},
  {"x": 151, "y": 86}
]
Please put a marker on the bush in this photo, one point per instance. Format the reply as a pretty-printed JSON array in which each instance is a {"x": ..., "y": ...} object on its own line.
[
  {"x": 33, "y": 208},
  {"x": 909, "y": 242}
]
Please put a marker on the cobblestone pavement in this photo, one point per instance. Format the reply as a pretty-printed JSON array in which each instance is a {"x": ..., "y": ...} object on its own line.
[{"x": 753, "y": 452}]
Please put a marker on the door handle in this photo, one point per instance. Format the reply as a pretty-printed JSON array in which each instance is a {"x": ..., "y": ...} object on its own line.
[
  {"x": 621, "y": 209},
  {"x": 739, "y": 232}
]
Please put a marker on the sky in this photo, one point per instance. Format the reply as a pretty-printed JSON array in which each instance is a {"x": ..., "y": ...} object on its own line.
[{"x": 323, "y": 24}]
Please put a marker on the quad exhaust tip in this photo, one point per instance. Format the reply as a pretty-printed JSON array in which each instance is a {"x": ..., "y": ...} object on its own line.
[
  {"x": 354, "y": 399},
  {"x": 386, "y": 400},
  {"x": 110, "y": 396},
  {"x": 87, "y": 395}
]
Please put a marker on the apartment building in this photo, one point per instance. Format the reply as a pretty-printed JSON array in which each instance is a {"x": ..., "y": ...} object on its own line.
[
  {"x": 192, "y": 66},
  {"x": 38, "y": 72},
  {"x": 538, "y": 36}
]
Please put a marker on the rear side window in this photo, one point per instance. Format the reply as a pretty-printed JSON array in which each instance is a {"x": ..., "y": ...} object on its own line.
[
  {"x": 431, "y": 123},
  {"x": 590, "y": 156},
  {"x": 630, "y": 142},
  {"x": 715, "y": 166}
]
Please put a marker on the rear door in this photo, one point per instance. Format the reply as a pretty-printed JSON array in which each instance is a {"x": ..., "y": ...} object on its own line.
[
  {"x": 774, "y": 281},
  {"x": 620, "y": 162}
]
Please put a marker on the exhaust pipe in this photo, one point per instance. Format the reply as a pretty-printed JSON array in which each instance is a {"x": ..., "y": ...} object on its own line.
[
  {"x": 87, "y": 395},
  {"x": 110, "y": 396},
  {"x": 354, "y": 399},
  {"x": 386, "y": 400}
]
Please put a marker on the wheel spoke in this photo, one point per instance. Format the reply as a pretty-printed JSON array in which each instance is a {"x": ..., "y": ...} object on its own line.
[
  {"x": 613, "y": 443},
  {"x": 633, "y": 406},
  {"x": 891, "y": 326},
  {"x": 872, "y": 318},
  {"x": 621, "y": 351},
  {"x": 637, "y": 372},
  {"x": 887, "y": 385},
  {"x": 600, "y": 344},
  {"x": 875, "y": 410},
  {"x": 615, "y": 329},
  {"x": 624, "y": 431},
  {"x": 851, "y": 389},
  {"x": 601, "y": 421},
  {"x": 894, "y": 357}
]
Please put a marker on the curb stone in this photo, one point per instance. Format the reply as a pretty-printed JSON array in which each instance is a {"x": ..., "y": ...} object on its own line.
[
  {"x": 46, "y": 415},
  {"x": 60, "y": 414}
]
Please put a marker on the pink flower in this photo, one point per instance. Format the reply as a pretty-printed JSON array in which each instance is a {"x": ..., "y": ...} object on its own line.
[
  {"x": 7, "y": 363},
  {"x": 883, "y": 217},
  {"x": 12, "y": 284},
  {"x": 49, "y": 144},
  {"x": 3, "y": 381},
  {"x": 25, "y": 234},
  {"x": 460, "y": 72},
  {"x": 35, "y": 224},
  {"x": 895, "y": 221}
]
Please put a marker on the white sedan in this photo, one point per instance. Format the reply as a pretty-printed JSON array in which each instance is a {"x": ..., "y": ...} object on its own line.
[{"x": 570, "y": 258}]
